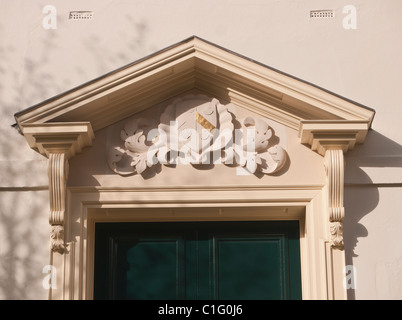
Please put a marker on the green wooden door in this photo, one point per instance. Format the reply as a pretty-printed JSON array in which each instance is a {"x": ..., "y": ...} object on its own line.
[{"x": 197, "y": 260}]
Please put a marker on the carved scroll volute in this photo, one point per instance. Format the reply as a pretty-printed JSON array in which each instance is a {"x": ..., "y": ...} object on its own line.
[
  {"x": 334, "y": 163},
  {"x": 57, "y": 172}
]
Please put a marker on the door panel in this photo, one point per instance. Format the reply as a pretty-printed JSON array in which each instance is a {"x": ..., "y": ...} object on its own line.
[
  {"x": 248, "y": 268},
  {"x": 139, "y": 261},
  {"x": 152, "y": 269},
  {"x": 197, "y": 260}
]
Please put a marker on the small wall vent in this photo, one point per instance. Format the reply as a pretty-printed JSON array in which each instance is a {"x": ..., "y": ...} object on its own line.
[
  {"x": 322, "y": 14},
  {"x": 80, "y": 15}
]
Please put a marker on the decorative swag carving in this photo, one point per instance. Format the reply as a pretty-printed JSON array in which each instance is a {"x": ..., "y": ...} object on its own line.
[{"x": 197, "y": 130}]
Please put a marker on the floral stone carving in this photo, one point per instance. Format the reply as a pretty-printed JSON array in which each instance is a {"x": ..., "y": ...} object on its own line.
[{"x": 197, "y": 130}]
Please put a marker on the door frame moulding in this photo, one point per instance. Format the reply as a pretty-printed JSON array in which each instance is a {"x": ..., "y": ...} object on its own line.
[
  {"x": 321, "y": 264},
  {"x": 328, "y": 124}
]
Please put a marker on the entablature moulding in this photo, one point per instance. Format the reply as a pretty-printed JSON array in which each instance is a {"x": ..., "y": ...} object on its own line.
[{"x": 62, "y": 126}]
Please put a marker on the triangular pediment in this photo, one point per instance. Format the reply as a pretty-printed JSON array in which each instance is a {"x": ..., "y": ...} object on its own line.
[
  {"x": 197, "y": 64},
  {"x": 267, "y": 109}
]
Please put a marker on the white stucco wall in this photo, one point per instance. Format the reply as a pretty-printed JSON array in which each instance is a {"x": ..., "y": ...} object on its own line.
[{"x": 361, "y": 64}]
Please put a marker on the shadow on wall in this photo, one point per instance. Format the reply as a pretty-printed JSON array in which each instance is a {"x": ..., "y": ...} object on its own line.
[
  {"x": 24, "y": 237},
  {"x": 21, "y": 210},
  {"x": 24, "y": 228},
  {"x": 24, "y": 244},
  {"x": 132, "y": 45},
  {"x": 361, "y": 193}
]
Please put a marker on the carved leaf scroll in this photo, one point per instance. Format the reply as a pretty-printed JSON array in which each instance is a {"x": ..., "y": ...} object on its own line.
[{"x": 192, "y": 128}]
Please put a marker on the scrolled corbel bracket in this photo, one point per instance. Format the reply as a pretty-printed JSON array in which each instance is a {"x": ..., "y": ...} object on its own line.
[
  {"x": 331, "y": 139},
  {"x": 58, "y": 174},
  {"x": 334, "y": 165},
  {"x": 58, "y": 142}
]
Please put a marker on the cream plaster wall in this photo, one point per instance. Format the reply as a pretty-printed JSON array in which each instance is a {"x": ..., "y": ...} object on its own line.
[
  {"x": 24, "y": 249},
  {"x": 363, "y": 65}
]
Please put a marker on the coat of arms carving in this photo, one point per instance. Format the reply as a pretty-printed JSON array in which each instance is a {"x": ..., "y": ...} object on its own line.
[{"x": 197, "y": 129}]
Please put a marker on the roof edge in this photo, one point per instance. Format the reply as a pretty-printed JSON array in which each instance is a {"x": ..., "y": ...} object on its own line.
[{"x": 191, "y": 41}]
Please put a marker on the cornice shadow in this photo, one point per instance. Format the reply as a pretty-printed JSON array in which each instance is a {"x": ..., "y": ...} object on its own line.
[{"x": 361, "y": 195}]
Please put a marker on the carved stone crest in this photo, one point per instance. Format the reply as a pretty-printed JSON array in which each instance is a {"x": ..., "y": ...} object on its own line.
[{"x": 197, "y": 129}]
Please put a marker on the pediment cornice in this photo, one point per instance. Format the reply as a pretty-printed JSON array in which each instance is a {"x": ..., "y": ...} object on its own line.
[
  {"x": 195, "y": 64},
  {"x": 323, "y": 135}
]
